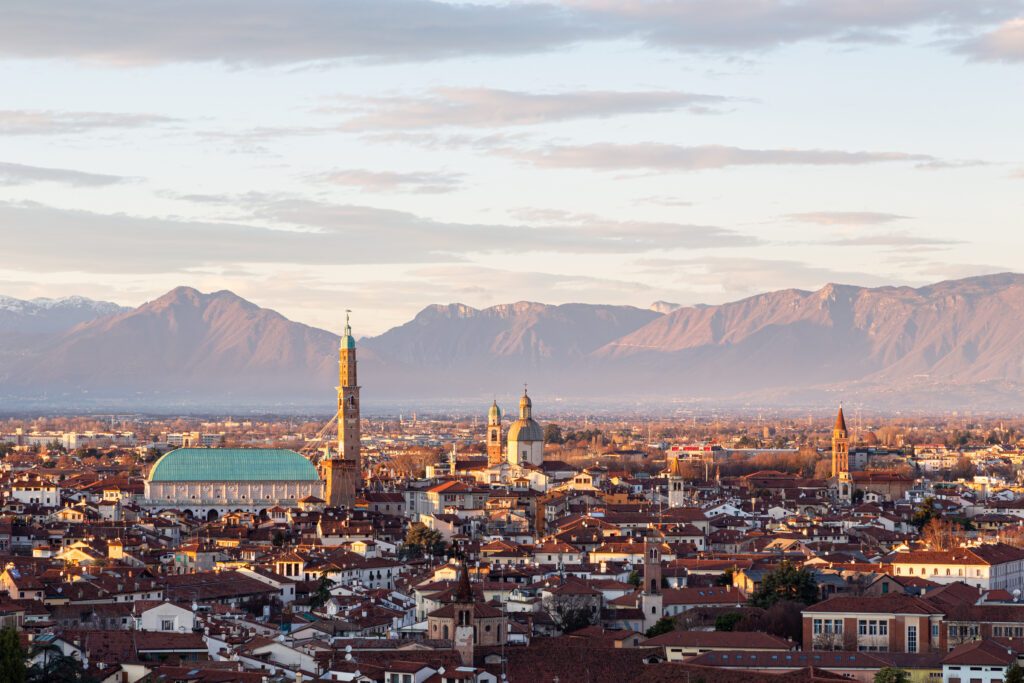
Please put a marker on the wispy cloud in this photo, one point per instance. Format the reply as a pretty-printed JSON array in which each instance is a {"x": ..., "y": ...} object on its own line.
[
  {"x": 123, "y": 32},
  {"x": 895, "y": 240},
  {"x": 43, "y": 122},
  {"x": 844, "y": 217},
  {"x": 22, "y": 174},
  {"x": 491, "y": 108},
  {"x": 418, "y": 182},
  {"x": 1005, "y": 43},
  {"x": 653, "y": 156},
  {"x": 286, "y": 230},
  {"x": 265, "y": 32}
]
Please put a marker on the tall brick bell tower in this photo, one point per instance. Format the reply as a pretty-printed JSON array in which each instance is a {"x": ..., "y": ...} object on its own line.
[{"x": 342, "y": 471}]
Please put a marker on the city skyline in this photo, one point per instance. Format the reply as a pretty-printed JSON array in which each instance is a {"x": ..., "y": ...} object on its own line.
[{"x": 596, "y": 152}]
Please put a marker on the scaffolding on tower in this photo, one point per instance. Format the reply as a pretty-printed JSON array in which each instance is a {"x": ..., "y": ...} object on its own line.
[{"x": 319, "y": 446}]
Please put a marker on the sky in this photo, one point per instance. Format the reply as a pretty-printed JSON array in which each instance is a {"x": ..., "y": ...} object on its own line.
[{"x": 383, "y": 155}]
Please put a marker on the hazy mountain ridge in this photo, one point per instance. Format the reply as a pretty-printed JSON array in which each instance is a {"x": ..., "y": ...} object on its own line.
[
  {"x": 954, "y": 343},
  {"x": 43, "y": 316}
]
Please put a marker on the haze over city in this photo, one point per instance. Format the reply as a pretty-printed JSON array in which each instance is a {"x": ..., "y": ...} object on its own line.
[{"x": 472, "y": 341}]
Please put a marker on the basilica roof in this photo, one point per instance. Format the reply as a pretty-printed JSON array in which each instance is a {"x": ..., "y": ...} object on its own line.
[{"x": 233, "y": 464}]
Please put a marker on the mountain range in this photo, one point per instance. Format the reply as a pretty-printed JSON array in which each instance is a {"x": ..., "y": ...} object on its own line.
[{"x": 955, "y": 344}]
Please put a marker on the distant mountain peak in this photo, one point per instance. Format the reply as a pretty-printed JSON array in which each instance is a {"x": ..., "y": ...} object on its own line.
[
  {"x": 664, "y": 307},
  {"x": 955, "y": 343}
]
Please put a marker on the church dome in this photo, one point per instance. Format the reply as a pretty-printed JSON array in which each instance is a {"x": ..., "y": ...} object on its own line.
[
  {"x": 525, "y": 430},
  {"x": 233, "y": 464}
]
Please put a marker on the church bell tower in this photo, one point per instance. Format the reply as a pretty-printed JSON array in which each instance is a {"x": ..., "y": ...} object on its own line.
[
  {"x": 841, "y": 458},
  {"x": 494, "y": 456},
  {"x": 840, "y": 446},
  {"x": 342, "y": 471}
]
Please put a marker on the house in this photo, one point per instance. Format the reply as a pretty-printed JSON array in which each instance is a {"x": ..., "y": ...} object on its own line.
[
  {"x": 986, "y": 566},
  {"x": 681, "y": 645},
  {"x": 164, "y": 616},
  {"x": 984, "y": 661},
  {"x": 885, "y": 623}
]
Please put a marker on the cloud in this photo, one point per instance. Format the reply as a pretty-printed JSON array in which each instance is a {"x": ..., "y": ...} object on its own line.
[
  {"x": 844, "y": 217},
  {"x": 894, "y": 240},
  {"x": 1004, "y": 44},
  {"x": 281, "y": 230},
  {"x": 266, "y": 32},
  {"x": 21, "y": 174},
  {"x": 42, "y": 122},
  {"x": 653, "y": 156},
  {"x": 419, "y": 182},
  {"x": 717, "y": 279},
  {"x": 491, "y": 108},
  {"x": 557, "y": 232},
  {"x": 487, "y": 286}
]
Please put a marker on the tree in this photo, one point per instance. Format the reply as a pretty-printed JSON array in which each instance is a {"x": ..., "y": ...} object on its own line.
[
  {"x": 785, "y": 620},
  {"x": 726, "y": 578},
  {"x": 785, "y": 583},
  {"x": 963, "y": 469},
  {"x": 421, "y": 540},
  {"x": 892, "y": 674},
  {"x": 940, "y": 534},
  {"x": 322, "y": 593},
  {"x": 553, "y": 433},
  {"x": 1014, "y": 674},
  {"x": 12, "y": 658},
  {"x": 727, "y": 621},
  {"x": 827, "y": 641},
  {"x": 279, "y": 539},
  {"x": 823, "y": 469},
  {"x": 570, "y": 612},
  {"x": 924, "y": 514},
  {"x": 61, "y": 668},
  {"x": 663, "y": 625},
  {"x": 635, "y": 578}
]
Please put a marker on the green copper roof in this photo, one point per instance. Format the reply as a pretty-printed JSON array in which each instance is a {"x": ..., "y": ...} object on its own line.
[
  {"x": 233, "y": 464},
  {"x": 347, "y": 340}
]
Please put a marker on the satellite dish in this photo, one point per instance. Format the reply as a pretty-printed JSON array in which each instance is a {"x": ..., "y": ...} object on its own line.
[
  {"x": 348, "y": 648},
  {"x": 348, "y": 657}
]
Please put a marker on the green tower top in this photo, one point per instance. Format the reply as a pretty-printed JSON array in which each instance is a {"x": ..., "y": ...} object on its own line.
[{"x": 347, "y": 340}]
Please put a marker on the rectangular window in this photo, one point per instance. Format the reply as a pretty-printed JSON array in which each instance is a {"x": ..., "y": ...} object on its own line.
[{"x": 911, "y": 639}]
